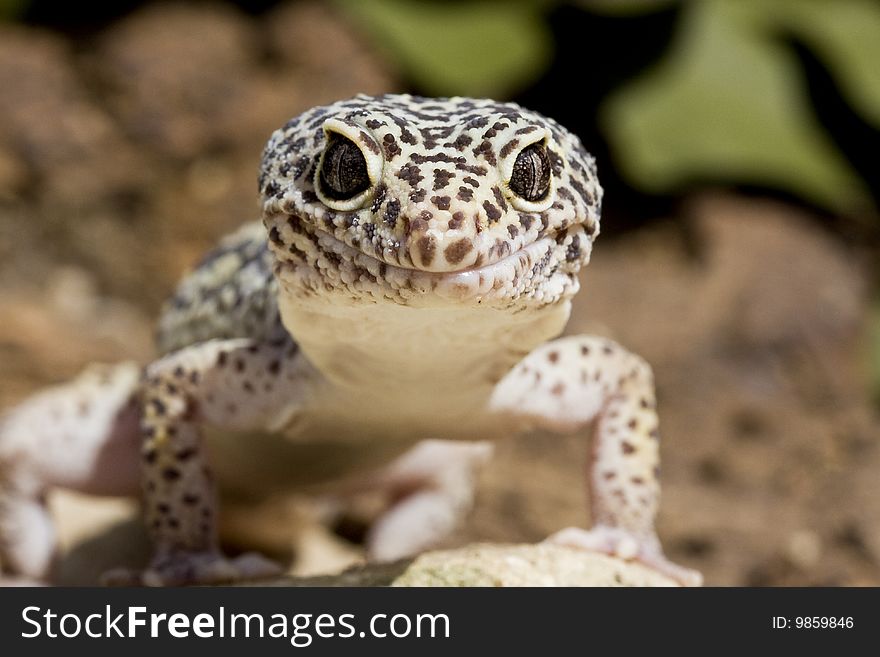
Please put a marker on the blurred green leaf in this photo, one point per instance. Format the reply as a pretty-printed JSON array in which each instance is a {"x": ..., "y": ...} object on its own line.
[
  {"x": 845, "y": 34},
  {"x": 729, "y": 103},
  {"x": 481, "y": 48}
]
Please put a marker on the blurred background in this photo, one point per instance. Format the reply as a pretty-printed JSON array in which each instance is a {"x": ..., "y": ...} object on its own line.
[{"x": 738, "y": 144}]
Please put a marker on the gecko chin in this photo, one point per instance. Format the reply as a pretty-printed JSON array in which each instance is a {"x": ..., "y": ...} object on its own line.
[{"x": 313, "y": 264}]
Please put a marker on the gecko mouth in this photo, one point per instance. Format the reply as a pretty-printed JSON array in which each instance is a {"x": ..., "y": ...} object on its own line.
[{"x": 313, "y": 260}]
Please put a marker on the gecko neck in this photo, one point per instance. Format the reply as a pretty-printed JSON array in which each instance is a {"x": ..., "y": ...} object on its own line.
[{"x": 429, "y": 360}]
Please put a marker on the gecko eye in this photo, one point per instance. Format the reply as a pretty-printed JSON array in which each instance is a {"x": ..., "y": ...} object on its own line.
[
  {"x": 343, "y": 169},
  {"x": 530, "y": 179}
]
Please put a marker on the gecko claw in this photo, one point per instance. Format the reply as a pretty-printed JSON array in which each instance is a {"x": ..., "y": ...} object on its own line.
[
  {"x": 625, "y": 545},
  {"x": 184, "y": 568}
]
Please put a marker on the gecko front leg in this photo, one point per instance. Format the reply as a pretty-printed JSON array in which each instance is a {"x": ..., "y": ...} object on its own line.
[
  {"x": 236, "y": 385},
  {"x": 576, "y": 382}
]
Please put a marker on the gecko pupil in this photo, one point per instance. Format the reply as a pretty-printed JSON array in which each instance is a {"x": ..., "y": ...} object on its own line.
[
  {"x": 531, "y": 173},
  {"x": 344, "y": 169}
]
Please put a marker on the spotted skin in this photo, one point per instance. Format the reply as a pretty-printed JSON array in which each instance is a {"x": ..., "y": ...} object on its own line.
[
  {"x": 236, "y": 383},
  {"x": 574, "y": 381},
  {"x": 440, "y": 203},
  {"x": 423, "y": 254}
]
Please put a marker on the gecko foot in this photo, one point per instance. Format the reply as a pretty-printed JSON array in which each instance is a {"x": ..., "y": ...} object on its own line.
[
  {"x": 182, "y": 568},
  {"x": 628, "y": 546}
]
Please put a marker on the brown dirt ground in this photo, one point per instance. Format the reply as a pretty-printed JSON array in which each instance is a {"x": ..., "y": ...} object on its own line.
[{"x": 123, "y": 157}]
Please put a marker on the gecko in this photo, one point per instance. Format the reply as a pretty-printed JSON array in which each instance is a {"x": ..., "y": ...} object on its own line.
[{"x": 398, "y": 307}]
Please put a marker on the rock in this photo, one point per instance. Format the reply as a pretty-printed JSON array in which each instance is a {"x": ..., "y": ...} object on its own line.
[
  {"x": 485, "y": 564},
  {"x": 525, "y": 565}
]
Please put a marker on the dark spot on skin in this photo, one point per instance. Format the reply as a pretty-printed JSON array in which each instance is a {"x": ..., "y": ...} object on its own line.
[
  {"x": 553, "y": 356},
  {"x": 492, "y": 212},
  {"x": 462, "y": 142},
  {"x": 644, "y": 403},
  {"x": 638, "y": 481},
  {"x": 407, "y": 137},
  {"x": 654, "y": 433},
  {"x": 558, "y": 389},
  {"x": 222, "y": 358},
  {"x": 392, "y": 212},
  {"x": 411, "y": 174},
  {"x": 465, "y": 194},
  {"x": 378, "y": 198},
  {"x": 512, "y": 230},
  {"x": 174, "y": 523},
  {"x": 507, "y": 149},
  {"x": 607, "y": 349},
  {"x": 499, "y": 198},
  {"x": 248, "y": 387},
  {"x": 170, "y": 474},
  {"x": 158, "y": 406},
  {"x": 456, "y": 221},
  {"x": 609, "y": 475},
  {"x": 627, "y": 448},
  {"x": 389, "y": 143},
  {"x": 239, "y": 365},
  {"x": 274, "y": 367},
  {"x": 632, "y": 424},
  {"x": 456, "y": 251},
  {"x": 186, "y": 454},
  {"x": 427, "y": 247},
  {"x": 163, "y": 508},
  {"x": 178, "y": 372},
  {"x": 367, "y": 141},
  {"x": 470, "y": 181},
  {"x": 442, "y": 202},
  {"x": 151, "y": 456},
  {"x": 190, "y": 499},
  {"x": 584, "y": 194},
  {"x": 442, "y": 178}
]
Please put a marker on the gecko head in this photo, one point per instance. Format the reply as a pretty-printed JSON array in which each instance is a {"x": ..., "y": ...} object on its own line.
[{"x": 421, "y": 201}]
